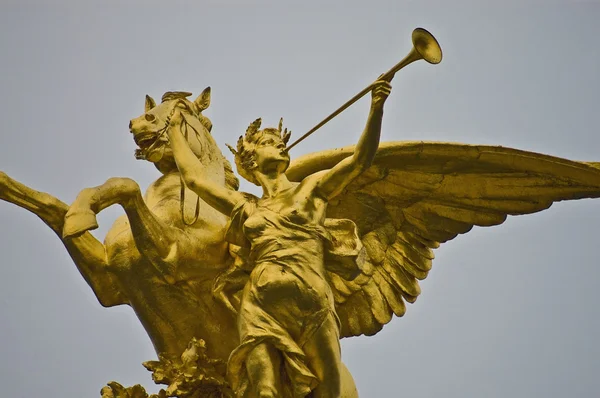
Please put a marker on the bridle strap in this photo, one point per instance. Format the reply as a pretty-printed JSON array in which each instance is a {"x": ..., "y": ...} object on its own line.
[
  {"x": 182, "y": 183},
  {"x": 182, "y": 194}
]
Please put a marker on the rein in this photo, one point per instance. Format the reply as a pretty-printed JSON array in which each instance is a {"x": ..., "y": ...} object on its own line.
[
  {"x": 182, "y": 192},
  {"x": 160, "y": 133}
]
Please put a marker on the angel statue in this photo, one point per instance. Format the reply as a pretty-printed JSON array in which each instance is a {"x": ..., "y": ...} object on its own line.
[
  {"x": 246, "y": 296},
  {"x": 286, "y": 317}
]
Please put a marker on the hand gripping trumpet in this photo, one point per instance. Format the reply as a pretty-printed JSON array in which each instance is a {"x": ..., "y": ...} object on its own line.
[{"x": 425, "y": 47}]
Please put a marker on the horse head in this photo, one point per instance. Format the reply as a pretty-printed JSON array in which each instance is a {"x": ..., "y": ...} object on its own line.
[
  {"x": 149, "y": 129},
  {"x": 150, "y": 133}
]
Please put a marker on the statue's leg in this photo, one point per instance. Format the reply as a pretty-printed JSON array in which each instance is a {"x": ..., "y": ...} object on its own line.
[
  {"x": 50, "y": 209},
  {"x": 154, "y": 239},
  {"x": 348, "y": 386},
  {"x": 324, "y": 356},
  {"x": 263, "y": 365},
  {"x": 88, "y": 254}
]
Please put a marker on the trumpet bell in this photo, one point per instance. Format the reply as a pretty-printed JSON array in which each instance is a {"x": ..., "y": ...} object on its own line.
[{"x": 427, "y": 46}]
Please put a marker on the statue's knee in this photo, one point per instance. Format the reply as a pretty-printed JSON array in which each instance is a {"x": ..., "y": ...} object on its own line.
[
  {"x": 123, "y": 182},
  {"x": 331, "y": 384},
  {"x": 131, "y": 187},
  {"x": 126, "y": 185},
  {"x": 84, "y": 196},
  {"x": 334, "y": 388},
  {"x": 327, "y": 390},
  {"x": 268, "y": 394}
]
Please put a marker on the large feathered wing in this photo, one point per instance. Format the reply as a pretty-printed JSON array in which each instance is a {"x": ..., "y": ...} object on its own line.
[{"x": 417, "y": 195}]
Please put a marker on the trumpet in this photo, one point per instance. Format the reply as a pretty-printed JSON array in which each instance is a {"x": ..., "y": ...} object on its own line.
[{"x": 425, "y": 47}]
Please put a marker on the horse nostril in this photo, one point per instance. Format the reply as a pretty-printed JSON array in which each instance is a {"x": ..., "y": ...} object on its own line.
[{"x": 130, "y": 124}]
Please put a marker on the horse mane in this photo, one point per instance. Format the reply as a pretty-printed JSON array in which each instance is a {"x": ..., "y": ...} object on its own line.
[
  {"x": 230, "y": 178},
  {"x": 173, "y": 95}
]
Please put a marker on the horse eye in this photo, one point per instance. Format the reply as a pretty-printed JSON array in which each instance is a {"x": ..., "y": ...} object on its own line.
[{"x": 149, "y": 117}]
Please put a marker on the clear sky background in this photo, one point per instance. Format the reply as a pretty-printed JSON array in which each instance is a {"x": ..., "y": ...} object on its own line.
[{"x": 506, "y": 311}]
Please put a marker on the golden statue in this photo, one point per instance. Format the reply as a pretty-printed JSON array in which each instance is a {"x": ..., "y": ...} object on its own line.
[
  {"x": 286, "y": 316},
  {"x": 247, "y": 296}
]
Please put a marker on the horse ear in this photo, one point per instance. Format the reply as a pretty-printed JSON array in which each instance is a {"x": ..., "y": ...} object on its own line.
[
  {"x": 203, "y": 100},
  {"x": 150, "y": 103}
]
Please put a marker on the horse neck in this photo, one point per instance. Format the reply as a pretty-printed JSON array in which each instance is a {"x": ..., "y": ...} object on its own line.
[
  {"x": 210, "y": 155},
  {"x": 168, "y": 186},
  {"x": 163, "y": 197}
]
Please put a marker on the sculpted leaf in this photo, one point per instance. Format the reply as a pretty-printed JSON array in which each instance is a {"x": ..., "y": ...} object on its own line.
[
  {"x": 116, "y": 390},
  {"x": 193, "y": 374}
]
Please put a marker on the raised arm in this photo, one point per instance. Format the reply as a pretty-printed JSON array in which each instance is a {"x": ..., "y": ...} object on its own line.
[
  {"x": 194, "y": 176},
  {"x": 333, "y": 181}
]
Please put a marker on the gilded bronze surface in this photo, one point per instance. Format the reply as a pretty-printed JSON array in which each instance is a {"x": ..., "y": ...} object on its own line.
[{"x": 248, "y": 296}]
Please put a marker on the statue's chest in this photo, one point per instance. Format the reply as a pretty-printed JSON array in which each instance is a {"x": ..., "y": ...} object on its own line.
[{"x": 295, "y": 206}]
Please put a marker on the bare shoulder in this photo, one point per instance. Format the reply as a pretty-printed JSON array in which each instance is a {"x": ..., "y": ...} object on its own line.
[
  {"x": 311, "y": 183},
  {"x": 312, "y": 180}
]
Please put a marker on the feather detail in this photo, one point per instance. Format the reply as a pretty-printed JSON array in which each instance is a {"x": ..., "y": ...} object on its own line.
[{"x": 417, "y": 195}]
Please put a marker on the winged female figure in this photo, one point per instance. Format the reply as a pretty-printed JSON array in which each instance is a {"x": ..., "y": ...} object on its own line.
[
  {"x": 338, "y": 241},
  {"x": 414, "y": 196},
  {"x": 287, "y": 317},
  {"x": 334, "y": 248}
]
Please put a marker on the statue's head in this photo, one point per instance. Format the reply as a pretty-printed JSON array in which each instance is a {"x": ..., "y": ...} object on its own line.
[
  {"x": 149, "y": 133},
  {"x": 149, "y": 129},
  {"x": 261, "y": 150}
]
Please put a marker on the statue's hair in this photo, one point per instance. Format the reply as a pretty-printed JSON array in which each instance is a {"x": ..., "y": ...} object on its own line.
[
  {"x": 230, "y": 179},
  {"x": 246, "y": 146}
]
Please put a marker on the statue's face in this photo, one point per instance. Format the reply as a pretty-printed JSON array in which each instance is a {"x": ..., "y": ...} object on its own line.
[
  {"x": 146, "y": 132},
  {"x": 270, "y": 154},
  {"x": 153, "y": 141}
]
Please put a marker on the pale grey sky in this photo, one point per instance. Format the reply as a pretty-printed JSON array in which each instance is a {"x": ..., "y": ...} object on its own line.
[{"x": 507, "y": 311}]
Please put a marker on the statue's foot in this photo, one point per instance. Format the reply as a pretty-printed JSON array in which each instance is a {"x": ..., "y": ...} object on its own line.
[{"x": 78, "y": 222}]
